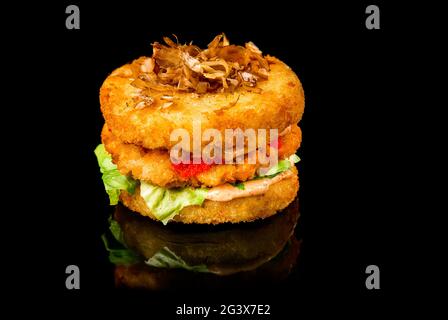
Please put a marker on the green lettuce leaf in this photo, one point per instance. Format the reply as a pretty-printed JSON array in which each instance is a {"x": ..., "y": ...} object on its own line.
[
  {"x": 281, "y": 166},
  {"x": 166, "y": 203},
  {"x": 113, "y": 180},
  {"x": 120, "y": 255},
  {"x": 165, "y": 258},
  {"x": 294, "y": 158},
  {"x": 116, "y": 231},
  {"x": 239, "y": 185}
]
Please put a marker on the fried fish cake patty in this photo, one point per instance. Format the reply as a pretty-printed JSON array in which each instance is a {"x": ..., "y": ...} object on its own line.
[
  {"x": 280, "y": 104},
  {"x": 278, "y": 196},
  {"x": 155, "y": 165}
]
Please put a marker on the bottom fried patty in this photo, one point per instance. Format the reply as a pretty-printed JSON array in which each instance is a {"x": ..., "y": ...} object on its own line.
[{"x": 277, "y": 197}]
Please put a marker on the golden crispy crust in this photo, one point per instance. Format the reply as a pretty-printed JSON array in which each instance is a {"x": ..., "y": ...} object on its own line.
[
  {"x": 155, "y": 166},
  {"x": 278, "y": 196},
  {"x": 280, "y": 104}
]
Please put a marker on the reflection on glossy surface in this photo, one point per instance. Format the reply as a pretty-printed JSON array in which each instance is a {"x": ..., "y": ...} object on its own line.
[{"x": 235, "y": 255}]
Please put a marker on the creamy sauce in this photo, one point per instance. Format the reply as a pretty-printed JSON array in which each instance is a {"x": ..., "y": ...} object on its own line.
[{"x": 227, "y": 192}]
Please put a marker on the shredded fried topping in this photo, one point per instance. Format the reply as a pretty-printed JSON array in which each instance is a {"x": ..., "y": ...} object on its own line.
[{"x": 175, "y": 67}]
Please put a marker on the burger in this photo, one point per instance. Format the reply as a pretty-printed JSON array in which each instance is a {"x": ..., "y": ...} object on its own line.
[{"x": 201, "y": 136}]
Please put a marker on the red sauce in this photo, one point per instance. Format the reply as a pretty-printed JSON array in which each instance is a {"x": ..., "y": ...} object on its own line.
[
  {"x": 189, "y": 170},
  {"x": 277, "y": 144}
]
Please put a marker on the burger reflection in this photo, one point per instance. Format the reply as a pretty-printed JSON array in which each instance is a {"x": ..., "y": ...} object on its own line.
[{"x": 149, "y": 255}]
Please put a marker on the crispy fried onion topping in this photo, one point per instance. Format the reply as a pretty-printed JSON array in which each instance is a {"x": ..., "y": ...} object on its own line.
[{"x": 175, "y": 67}]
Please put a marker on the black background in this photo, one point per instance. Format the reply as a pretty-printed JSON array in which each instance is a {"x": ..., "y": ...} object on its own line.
[{"x": 352, "y": 140}]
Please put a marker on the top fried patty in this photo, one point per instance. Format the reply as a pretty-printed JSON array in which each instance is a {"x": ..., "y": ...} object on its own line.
[{"x": 280, "y": 104}]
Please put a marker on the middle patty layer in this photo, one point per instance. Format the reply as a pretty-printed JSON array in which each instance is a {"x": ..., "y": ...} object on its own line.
[{"x": 155, "y": 166}]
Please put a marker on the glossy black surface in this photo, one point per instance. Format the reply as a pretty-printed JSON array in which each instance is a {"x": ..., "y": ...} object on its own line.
[
  {"x": 353, "y": 193},
  {"x": 262, "y": 253}
]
